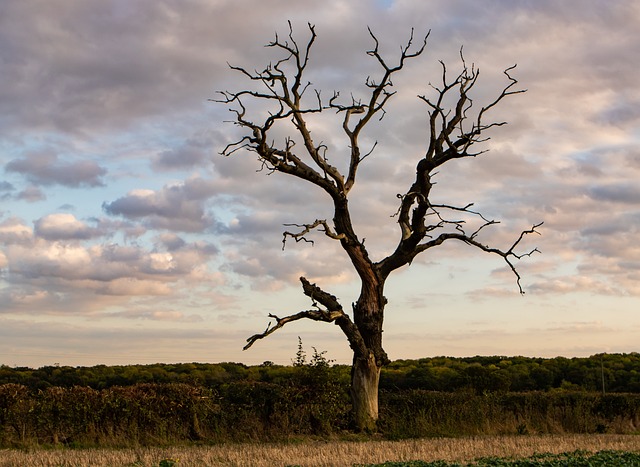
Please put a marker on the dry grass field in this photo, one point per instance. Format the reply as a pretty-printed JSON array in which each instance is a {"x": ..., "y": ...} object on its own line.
[{"x": 323, "y": 453}]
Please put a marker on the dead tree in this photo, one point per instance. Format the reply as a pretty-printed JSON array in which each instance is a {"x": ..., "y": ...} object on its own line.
[{"x": 451, "y": 134}]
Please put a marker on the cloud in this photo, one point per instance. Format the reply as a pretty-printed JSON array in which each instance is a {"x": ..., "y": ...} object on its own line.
[
  {"x": 625, "y": 193},
  {"x": 128, "y": 287},
  {"x": 55, "y": 277},
  {"x": 31, "y": 194},
  {"x": 177, "y": 206},
  {"x": 6, "y": 186},
  {"x": 171, "y": 241},
  {"x": 14, "y": 231},
  {"x": 623, "y": 113},
  {"x": 168, "y": 316},
  {"x": 45, "y": 169},
  {"x": 180, "y": 158},
  {"x": 197, "y": 151},
  {"x": 64, "y": 227},
  {"x": 5, "y": 191},
  {"x": 576, "y": 283}
]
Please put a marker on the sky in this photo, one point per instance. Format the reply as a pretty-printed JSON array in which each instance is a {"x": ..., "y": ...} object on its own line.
[{"x": 125, "y": 237}]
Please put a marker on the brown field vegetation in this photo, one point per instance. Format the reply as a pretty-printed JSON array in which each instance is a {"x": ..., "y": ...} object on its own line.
[{"x": 325, "y": 452}]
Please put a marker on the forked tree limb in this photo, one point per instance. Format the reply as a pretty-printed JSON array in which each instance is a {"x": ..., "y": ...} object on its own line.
[
  {"x": 449, "y": 138},
  {"x": 507, "y": 255},
  {"x": 380, "y": 95},
  {"x": 286, "y": 93},
  {"x": 315, "y": 315},
  {"x": 331, "y": 313}
]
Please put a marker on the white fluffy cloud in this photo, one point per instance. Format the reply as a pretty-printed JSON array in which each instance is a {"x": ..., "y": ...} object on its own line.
[
  {"x": 13, "y": 230},
  {"x": 63, "y": 226}
]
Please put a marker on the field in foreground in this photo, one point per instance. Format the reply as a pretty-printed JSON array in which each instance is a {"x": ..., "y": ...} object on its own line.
[{"x": 325, "y": 453}]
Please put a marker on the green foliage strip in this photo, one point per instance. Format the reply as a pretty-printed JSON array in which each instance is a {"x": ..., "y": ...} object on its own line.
[{"x": 573, "y": 459}]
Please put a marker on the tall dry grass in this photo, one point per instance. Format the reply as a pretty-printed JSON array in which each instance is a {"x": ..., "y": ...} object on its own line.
[{"x": 325, "y": 453}]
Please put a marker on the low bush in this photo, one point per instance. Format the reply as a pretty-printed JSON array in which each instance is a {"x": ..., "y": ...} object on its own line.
[{"x": 419, "y": 413}]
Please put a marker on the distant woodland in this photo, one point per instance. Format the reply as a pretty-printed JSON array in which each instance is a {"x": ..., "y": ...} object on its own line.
[{"x": 599, "y": 373}]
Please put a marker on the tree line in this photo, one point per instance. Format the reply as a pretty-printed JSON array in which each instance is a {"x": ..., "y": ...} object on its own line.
[
  {"x": 609, "y": 373},
  {"x": 308, "y": 398}
]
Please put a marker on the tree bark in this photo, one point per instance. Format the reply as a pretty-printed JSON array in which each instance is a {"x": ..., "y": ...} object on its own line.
[
  {"x": 365, "y": 377},
  {"x": 368, "y": 314}
]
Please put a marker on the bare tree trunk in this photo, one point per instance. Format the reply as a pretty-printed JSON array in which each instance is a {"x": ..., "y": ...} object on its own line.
[
  {"x": 365, "y": 376},
  {"x": 365, "y": 373}
]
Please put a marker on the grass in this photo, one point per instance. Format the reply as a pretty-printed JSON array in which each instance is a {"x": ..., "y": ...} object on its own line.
[{"x": 335, "y": 453}]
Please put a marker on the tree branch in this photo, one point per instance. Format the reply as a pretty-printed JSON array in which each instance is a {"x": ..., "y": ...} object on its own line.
[
  {"x": 330, "y": 312},
  {"x": 470, "y": 240},
  {"x": 448, "y": 139},
  {"x": 376, "y": 102},
  {"x": 286, "y": 97},
  {"x": 315, "y": 293},
  {"x": 300, "y": 236},
  {"x": 316, "y": 315}
]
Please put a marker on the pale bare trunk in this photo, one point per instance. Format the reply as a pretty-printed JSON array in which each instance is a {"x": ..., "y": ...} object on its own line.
[{"x": 365, "y": 377}]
